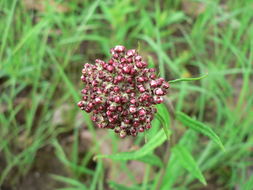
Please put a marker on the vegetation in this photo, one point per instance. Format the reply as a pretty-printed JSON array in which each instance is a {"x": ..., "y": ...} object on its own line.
[{"x": 47, "y": 143}]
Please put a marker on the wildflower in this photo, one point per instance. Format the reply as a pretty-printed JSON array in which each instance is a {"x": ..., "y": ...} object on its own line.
[{"x": 122, "y": 93}]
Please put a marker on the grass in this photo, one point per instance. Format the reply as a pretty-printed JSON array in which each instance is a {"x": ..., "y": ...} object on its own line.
[{"x": 41, "y": 56}]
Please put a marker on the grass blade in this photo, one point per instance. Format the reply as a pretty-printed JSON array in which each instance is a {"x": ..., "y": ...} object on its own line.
[
  {"x": 69, "y": 188},
  {"x": 249, "y": 184},
  {"x": 116, "y": 186},
  {"x": 7, "y": 28},
  {"x": 199, "y": 127},
  {"x": 69, "y": 181},
  {"x": 187, "y": 161},
  {"x": 99, "y": 169},
  {"x": 34, "y": 31}
]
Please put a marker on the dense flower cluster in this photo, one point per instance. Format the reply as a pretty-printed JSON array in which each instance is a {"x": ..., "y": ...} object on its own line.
[{"x": 122, "y": 92}]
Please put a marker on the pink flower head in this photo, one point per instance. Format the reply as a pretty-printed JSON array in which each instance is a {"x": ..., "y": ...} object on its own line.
[{"x": 122, "y": 93}]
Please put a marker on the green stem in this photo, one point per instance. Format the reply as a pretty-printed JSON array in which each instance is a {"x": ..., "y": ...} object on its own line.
[{"x": 188, "y": 79}]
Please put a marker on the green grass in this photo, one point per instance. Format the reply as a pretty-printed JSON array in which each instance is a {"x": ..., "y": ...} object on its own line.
[{"x": 41, "y": 56}]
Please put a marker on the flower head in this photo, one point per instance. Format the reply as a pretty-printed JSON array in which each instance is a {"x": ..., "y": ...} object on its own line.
[{"x": 122, "y": 93}]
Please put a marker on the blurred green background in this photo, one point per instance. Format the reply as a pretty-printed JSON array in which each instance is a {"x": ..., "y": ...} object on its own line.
[{"x": 47, "y": 143}]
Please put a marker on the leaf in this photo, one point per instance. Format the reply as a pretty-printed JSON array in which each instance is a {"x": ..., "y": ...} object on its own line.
[
  {"x": 187, "y": 161},
  {"x": 151, "y": 159},
  {"x": 164, "y": 118},
  {"x": 156, "y": 141},
  {"x": 199, "y": 127},
  {"x": 188, "y": 79}
]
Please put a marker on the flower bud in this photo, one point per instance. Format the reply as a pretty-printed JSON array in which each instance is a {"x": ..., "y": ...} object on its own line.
[
  {"x": 159, "y": 92},
  {"x": 138, "y": 58},
  {"x": 132, "y": 109},
  {"x": 98, "y": 100},
  {"x": 117, "y": 99},
  {"x": 110, "y": 68},
  {"x": 122, "y": 134},
  {"x": 141, "y": 129},
  {"x": 142, "y": 112},
  {"x": 119, "y": 49}
]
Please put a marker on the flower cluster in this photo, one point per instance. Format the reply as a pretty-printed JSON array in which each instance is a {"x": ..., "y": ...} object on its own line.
[{"x": 122, "y": 92}]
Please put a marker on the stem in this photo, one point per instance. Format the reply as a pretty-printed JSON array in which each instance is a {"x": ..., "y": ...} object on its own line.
[{"x": 188, "y": 79}]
